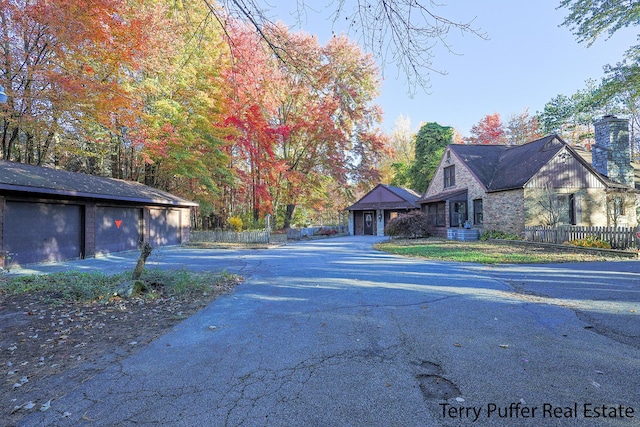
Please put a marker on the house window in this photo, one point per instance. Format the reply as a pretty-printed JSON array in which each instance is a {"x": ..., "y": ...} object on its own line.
[
  {"x": 618, "y": 206},
  {"x": 436, "y": 212},
  {"x": 433, "y": 214},
  {"x": 477, "y": 211},
  {"x": 572, "y": 209},
  {"x": 441, "y": 214},
  {"x": 449, "y": 176}
]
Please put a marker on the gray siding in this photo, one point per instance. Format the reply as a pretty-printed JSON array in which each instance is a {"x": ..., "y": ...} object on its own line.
[{"x": 564, "y": 171}]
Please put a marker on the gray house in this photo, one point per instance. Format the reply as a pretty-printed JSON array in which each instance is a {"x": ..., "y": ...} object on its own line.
[
  {"x": 53, "y": 215},
  {"x": 370, "y": 214}
]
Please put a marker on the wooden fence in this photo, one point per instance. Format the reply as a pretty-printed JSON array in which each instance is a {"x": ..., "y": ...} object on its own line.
[
  {"x": 262, "y": 236},
  {"x": 618, "y": 237}
]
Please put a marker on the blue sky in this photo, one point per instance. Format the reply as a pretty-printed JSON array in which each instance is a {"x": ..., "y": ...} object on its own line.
[{"x": 527, "y": 60}]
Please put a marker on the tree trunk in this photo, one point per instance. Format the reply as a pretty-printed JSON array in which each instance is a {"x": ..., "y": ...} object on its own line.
[
  {"x": 29, "y": 149},
  {"x": 144, "y": 254},
  {"x": 116, "y": 170},
  {"x": 149, "y": 174},
  {"x": 288, "y": 215},
  {"x": 8, "y": 148}
]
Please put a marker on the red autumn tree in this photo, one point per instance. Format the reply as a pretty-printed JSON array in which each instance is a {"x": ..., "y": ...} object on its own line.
[
  {"x": 253, "y": 78},
  {"x": 297, "y": 127},
  {"x": 489, "y": 130},
  {"x": 327, "y": 105}
]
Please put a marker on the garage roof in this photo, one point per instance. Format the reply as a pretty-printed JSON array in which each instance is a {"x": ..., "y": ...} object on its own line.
[
  {"x": 37, "y": 180},
  {"x": 387, "y": 197}
]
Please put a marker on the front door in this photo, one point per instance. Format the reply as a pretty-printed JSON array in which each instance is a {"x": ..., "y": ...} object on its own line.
[{"x": 368, "y": 223}]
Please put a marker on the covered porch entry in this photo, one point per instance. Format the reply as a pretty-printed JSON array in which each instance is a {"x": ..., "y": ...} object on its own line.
[
  {"x": 446, "y": 211},
  {"x": 370, "y": 215}
]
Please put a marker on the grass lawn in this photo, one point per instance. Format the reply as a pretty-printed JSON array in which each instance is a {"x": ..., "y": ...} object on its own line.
[{"x": 484, "y": 252}]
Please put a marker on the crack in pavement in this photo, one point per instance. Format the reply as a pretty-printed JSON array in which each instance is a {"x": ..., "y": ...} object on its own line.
[{"x": 589, "y": 311}]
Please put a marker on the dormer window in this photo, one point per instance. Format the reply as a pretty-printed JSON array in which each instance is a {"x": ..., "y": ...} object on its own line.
[{"x": 449, "y": 176}]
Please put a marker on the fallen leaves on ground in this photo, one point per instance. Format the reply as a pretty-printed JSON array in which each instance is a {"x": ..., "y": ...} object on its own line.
[{"x": 47, "y": 349}]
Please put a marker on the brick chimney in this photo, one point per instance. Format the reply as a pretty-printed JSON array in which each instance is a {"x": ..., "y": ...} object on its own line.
[{"x": 611, "y": 154}]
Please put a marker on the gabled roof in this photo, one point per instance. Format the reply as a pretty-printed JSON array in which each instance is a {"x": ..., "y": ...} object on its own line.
[
  {"x": 501, "y": 167},
  {"x": 387, "y": 197},
  {"x": 38, "y": 181},
  {"x": 480, "y": 159},
  {"x": 406, "y": 193}
]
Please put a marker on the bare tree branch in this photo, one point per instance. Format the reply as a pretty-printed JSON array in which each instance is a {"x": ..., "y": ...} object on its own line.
[{"x": 400, "y": 32}]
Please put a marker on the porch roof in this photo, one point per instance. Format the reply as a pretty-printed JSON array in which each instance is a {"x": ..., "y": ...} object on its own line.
[{"x": 446, "y": 196}]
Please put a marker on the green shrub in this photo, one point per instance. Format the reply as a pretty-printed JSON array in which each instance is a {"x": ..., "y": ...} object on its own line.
[
  {"x": 497, "y": 234},
  {"x": 412, "y": 225}
]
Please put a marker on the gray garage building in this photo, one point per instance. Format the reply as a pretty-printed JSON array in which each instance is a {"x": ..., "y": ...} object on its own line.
[{"x": 53, "y": 215}]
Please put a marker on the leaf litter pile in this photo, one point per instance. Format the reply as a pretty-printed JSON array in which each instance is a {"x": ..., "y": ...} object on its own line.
[{"x": 59, "y": 330}]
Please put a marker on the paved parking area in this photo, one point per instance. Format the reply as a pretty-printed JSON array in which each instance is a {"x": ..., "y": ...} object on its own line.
[{"x": 334, "y": 333}]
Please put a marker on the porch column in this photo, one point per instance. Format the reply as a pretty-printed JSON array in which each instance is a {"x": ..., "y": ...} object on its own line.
[
  {"x": 352, "y": 227},
  {"x": 380, "y": 219}
]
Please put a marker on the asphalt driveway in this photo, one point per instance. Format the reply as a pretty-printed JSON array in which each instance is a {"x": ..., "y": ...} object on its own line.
[{"x": 334, "y": 333}]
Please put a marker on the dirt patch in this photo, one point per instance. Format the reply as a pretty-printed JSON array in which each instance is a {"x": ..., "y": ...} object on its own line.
[{"x": 48, "y": 349}]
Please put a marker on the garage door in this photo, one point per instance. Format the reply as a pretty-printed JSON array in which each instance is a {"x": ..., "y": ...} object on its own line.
[
  {"x": 117, "y": 229},
  {"x": 41, "y": 232},
  {"x": 164, "y": 227}
]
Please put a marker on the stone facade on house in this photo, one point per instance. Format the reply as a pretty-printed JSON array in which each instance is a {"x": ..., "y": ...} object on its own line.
[
  {"x": 567, "y": 191},
  {"x": 612, "y": 152},
  {"x": 464, "y": 180},
  {"x": 543, "y": 207},
  {"x": 505, "y": 211}
]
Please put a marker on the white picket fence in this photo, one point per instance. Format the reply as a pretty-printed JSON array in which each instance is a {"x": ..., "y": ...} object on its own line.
[
  {"x": 618, "y": 237},
  {"x": 246, "y": 237}
]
